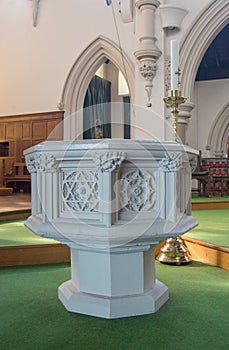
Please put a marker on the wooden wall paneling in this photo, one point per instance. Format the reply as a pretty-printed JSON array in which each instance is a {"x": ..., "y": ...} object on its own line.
[
  {"x": 36, "y": 142},
  {"x": 26, "y": 137},
  {"x": 11, "y": 137},
  {"x": 10, "y": 130},
  {"x": 2, "y": 131},
  {"x": 18, "y": 137},
  {"x": 26, "y": 144},
  {"x": 54, "y": 129},
  {"x": 39, "y": 130},
  {"x": 24, "y": 131},
  {"x": 12, "y": 148}
]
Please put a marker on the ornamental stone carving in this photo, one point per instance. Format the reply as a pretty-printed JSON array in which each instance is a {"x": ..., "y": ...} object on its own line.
[
  {"x": 43, "y": 162},
  {"x": 148, "y": 69},
  {"x": 193, "y": 162},
  {"x": 137, "y": 191},
  {"x": 167, "y": 73},
  {"x": 109, "y": 161},
  {"x": 61, "y": 106},
  {"x": 80, "y": 190},
  {"x": 46, "y": 162},
  {"x": 30, "y": 163},
  {"x": 172, "y": 162},
  {"x": 218, "y": 153}
]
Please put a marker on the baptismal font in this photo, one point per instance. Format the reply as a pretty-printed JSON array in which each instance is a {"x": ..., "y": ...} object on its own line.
[{"x": 111, "y": 201}]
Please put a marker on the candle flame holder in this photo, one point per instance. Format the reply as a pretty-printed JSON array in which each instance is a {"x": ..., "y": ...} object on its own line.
[{"x": 174, "y": 100}]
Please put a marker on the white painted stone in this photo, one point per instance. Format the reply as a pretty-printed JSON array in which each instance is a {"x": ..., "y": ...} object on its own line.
[
  {"x": 125, "y": 306},
  {"x": 111, "y": 201}
]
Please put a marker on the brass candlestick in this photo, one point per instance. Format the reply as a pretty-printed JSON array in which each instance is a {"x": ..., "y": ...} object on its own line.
[
  {"x": 174, "y": 251},
  {"x": 174, "y": 100}
]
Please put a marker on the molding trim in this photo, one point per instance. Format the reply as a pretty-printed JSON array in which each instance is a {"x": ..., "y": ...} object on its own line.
[
  {"x": 80, "y": 75},
  {"x": 202, "y": 32},
  {"x": 219, "y": 132},
  {"x": 126, "y": 10},
  {"x": 172, "y": 16}
]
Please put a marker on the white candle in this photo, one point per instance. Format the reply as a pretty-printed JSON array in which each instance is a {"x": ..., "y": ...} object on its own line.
[{"x": 174, "y": 53}]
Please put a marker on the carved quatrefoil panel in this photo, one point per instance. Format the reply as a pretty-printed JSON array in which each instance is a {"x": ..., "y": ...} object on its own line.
[
  {"x": 137, "y": 191},
  {"x": 80, "y": 190}
]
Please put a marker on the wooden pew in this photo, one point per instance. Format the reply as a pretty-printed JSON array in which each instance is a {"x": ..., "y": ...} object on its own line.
[{"x": 19, "y": 175}]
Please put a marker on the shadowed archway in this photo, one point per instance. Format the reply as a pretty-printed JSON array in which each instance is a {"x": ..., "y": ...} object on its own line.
[{"x": 79, "y": 77}]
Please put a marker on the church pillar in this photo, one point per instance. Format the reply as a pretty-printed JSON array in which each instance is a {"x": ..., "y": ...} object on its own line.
[
  {"x": 147, "y": 52},
  {"x": 185, "y": 110}
]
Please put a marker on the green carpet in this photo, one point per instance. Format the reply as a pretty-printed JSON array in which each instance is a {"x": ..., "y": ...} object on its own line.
[
  {"x": 195, "y": 317},
  {"x": 196, "y": 198},
  {"x": 15, "y": 233},
  {"x": 213, "y": 226}
]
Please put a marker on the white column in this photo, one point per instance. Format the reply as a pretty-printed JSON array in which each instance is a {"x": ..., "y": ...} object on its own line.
[
  {"x": 55, "y": 195},
  {"x": 171, "y": 196},
  {"x": 147, "y": 52},
  {"x": 147, "y": 10},
  {"x": 34, "y": 194},
  {"x": 107, "y": 199},
  {"x": 43, "y": 196},
  {"x": 48, "y": 196},
  {"x": 184, "y": 115},
  {"x": 39, "y": 192}
]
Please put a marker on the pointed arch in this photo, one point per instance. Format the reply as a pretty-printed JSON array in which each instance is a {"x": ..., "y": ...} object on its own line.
[
  {"x": 219, "y": 133},
  {"x": 210, "y": 22},
  {"x": 81, "y": 74}
]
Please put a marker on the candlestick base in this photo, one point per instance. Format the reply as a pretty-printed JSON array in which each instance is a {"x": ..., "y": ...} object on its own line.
[{"x": 174, "y": 252}]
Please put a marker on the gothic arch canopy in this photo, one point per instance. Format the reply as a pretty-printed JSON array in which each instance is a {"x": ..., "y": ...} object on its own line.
[
  {"x": 219, "y": 133},
  {"x": 210, "y": 22},
  {"x": 81, "y": 74}
]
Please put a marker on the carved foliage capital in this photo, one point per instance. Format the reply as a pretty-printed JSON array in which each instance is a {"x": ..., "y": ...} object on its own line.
[
  {"x": 172, "y": 162},
  {"x": 46, "y": 162},
  {"x": 148, "y": 69},
  {"x": 41, "y": 162},
  {"x": 109, "y": 161},
  {"x": 193, "y": 162},
  {"x": 31, "y": 163}
]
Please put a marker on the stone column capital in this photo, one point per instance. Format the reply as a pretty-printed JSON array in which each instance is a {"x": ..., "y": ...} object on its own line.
[
  {"x": 185, "y": 110},
  {"x": 140, "y": 4}
]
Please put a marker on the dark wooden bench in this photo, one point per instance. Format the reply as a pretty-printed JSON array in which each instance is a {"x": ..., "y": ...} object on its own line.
[
  {"x": 201, "y": 174},
  {"x": 19, "y": 174}
]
